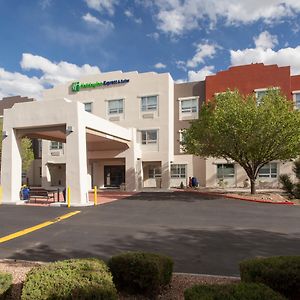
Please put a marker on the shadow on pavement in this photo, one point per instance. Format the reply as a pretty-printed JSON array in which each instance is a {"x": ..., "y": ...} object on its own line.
[
  {"x": 215, "y": 252},
  {"x": 172, "y": 196}
]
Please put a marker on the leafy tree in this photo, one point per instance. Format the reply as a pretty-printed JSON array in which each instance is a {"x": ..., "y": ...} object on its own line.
[
  {"x": 26, "y": 151},
  {"x": 235, "y": 127}
]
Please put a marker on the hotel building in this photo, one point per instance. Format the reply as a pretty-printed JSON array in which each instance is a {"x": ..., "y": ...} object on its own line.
[{"x": 123, "y": 130}]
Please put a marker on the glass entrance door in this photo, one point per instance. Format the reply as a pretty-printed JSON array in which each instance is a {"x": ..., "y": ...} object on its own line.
[{"x": 114, "y": 176}]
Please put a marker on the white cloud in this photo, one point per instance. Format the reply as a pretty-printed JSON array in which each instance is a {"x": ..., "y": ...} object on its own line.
[
  {"x": 14, "y": 83},
  {"x": 176, "y": 17},
  {"x": 153, "y": 35},
  {"x": 283, "y": 57},
  {"x": 265, "y": 40},
  {"x": 202, "y": 51},
  {"x": 129, "y": 14},
  {"x": 201, "y": 74},
  {"x": 102, "y": 5},
  {"x": 160, "y": 66},
  {"x": 90, "y": 19}
]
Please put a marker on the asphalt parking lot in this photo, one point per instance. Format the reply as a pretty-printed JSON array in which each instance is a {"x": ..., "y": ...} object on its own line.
[{"x": 204, "y": 235}]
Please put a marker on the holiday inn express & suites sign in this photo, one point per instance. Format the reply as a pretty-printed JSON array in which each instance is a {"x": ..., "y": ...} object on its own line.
[{"x": 77, "y": 86}]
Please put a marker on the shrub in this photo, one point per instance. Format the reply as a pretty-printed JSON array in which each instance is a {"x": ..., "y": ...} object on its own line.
[
  {"x": 281, "y": 273},
  {"x": 140, "y": 272},
  {"x": 70, "y": 279},
  {"x": 5, "y": 284},
  {"x": 292, "y": 189},
  {"x": 240, "y": 291}
]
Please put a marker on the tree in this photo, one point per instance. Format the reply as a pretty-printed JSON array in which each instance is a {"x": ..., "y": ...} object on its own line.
[
  {"x": 236, "y": 127},
  {"x": 26, "y": 151}
]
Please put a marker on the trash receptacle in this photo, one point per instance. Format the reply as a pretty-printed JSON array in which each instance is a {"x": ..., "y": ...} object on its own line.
[{"x": 25, "y": 193}]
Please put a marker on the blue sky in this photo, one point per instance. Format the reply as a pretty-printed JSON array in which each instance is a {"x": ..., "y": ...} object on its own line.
[{"x": 47, "y": 42}]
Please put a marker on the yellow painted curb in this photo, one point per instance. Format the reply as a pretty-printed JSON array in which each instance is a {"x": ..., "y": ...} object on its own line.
[{"x": 37, "y": 227}]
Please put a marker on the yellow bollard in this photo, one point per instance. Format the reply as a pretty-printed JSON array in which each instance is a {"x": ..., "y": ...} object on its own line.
[
  {"x": 0, "y": 194},
  {"x": 69, "y": 196},
  {"x": 95, "y": 195}
]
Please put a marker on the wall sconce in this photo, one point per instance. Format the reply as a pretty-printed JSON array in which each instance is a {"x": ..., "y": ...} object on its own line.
[
  {"x": 69, "y": 129},
  {"x": 4, "y": 134}
]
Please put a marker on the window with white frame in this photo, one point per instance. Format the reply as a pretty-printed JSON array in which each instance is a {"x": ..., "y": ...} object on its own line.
[
  {"x": 268, "y": 171},
  {"x": 260, "y": 93},
  {"x": 225, "y": 171},
  {"x": 56, "y": 145},
  {"x": 178, "y": 171},
  {"x": 296, "y": 96},
  {"x": 154, "y": 172},
  {"x": 88, "y": 106},
  {"x": 115, "y": 106},
  {"x": 189, "y": 105},
  {"x": 149, "y": 136},
  {"x": 149, "y": 103}
]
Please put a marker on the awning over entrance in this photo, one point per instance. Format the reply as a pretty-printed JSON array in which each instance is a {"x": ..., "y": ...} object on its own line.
[{"x": 62, "y": 121}]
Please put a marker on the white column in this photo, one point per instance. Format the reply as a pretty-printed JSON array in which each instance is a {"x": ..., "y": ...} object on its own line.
[
  {"x": 165, "y": 174},
  {"x": 11, "y": 169},
  {"x": 76, "y": 164},
  {"x": 132, "y": 164}
]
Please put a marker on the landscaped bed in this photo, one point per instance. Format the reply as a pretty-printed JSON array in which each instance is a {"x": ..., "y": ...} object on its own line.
[{"x": 179, "y": 282}]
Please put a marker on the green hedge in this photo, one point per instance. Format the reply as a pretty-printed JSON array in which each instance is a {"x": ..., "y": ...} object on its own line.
[
  {"x": 239, "y": 291},
  {"x": 70, "y": 279},
  {"x": 140, "y": 272},
  {"x": 281, "y": 273},
  {"x": 5, "y": 284}
]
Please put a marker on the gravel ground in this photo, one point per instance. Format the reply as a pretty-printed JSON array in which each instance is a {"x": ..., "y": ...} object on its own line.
[{"x": 174, "y": 292}]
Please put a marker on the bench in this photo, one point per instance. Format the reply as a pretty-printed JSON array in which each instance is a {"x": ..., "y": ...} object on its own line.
[{"x": 41, "y": 194}]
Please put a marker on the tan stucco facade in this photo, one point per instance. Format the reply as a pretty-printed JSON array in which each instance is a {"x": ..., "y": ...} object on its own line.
[{"x": 128, "y": 139}]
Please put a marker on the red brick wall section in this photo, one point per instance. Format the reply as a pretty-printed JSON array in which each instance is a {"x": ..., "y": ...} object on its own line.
[
  {"x": 247, "y": 78},
  {"x": 295, "y": 82}
]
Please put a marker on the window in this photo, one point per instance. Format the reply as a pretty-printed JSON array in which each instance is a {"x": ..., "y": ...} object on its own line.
[
  {"x": 225, "y": 171},
  {"x": 154, "y": 172},
  {"x": 178, "y": 171},
  {"x": 189, "y": 105},
  {"x": 268, "y": 171},
  {"x": 260, "y": 93},
  {"x": 149, "y": 137},
  {"x": 88, "y": 107},
  {"x": 149, "y": 103},
  {"x": 56, "y": 145},
  {"x": 115, "y": 106},
  {"x": 297, "y": 99}
]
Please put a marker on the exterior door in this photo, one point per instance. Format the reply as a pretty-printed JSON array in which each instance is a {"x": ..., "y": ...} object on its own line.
[{"x": 114, "y": 176}]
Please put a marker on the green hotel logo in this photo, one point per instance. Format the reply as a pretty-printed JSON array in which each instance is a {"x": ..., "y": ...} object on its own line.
[{"x": 77, "y": 86}]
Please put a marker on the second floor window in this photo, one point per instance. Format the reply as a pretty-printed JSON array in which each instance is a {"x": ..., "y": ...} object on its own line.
[
  {"x": 189, "y": 105},
  {"x": 56, "y": 145},
  {"x": 149, "y": 137},
  {"x": 149, "y": 103},
  {"x": 88, "y": 107},
  {"x": 297, "y": 100},
  {"x": 115, "y": 107}
]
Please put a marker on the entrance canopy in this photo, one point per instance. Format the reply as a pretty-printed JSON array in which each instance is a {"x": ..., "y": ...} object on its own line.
[{"x": 63, "y": 121}]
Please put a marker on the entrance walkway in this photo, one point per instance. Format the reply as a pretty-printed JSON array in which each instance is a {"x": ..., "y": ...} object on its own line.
[{"x": 103, "y": 196}]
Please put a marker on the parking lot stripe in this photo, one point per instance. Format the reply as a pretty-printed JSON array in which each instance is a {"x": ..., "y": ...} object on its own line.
[{"x": 37, "y": 227}]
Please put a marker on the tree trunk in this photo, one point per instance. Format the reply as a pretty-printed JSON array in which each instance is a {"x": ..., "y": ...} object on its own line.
[{"x": 253, "y": 187}]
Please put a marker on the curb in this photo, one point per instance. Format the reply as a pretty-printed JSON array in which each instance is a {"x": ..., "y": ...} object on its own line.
[{"x": 241, "y": 198}]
